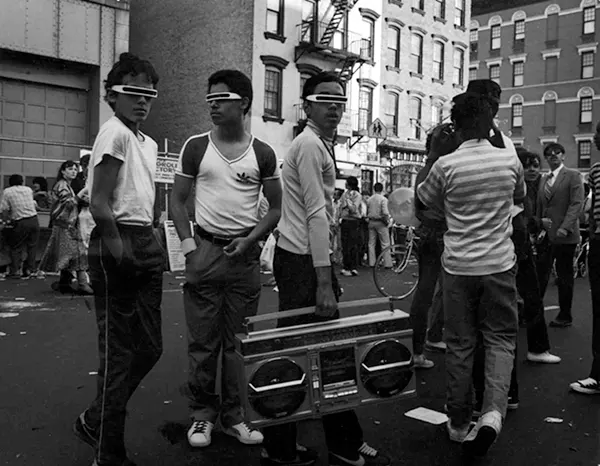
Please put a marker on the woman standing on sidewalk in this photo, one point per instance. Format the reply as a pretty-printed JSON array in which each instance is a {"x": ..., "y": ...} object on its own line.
[
  {"x": 65, "y": 250},
  {"x": 350, "y": 226}
]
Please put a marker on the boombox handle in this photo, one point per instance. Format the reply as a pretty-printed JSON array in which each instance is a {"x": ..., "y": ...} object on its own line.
[{"x": 311, "y": 310}]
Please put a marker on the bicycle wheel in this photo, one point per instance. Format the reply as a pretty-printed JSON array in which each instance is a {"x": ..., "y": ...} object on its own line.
[{"x": 400, "y": 280}]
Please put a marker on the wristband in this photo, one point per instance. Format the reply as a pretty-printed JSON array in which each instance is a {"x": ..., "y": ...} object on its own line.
[{"x": 188, "y": 245}]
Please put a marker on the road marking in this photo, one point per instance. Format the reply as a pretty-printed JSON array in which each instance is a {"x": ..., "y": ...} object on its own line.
[
  {"x": 6, "y": 315},
  {"x": 551, "y": 308}
]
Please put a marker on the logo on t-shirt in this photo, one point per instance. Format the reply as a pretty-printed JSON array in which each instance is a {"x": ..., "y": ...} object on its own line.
[{"x": 243, "y": 178}]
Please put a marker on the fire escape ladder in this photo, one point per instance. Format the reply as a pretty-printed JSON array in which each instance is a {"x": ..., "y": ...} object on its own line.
[{"x": 341, "y": 8}]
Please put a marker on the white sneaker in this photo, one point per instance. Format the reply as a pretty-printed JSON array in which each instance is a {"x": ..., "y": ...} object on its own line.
[
  {"x": 346, "y": 273},
  {"x": 199, "y": 434},
  {"x": 543, "y": 358},
  {"x": 483, "y": 435},
  {"x": 587, "y": 386},
  {"x": 245, "y": 434},
  {"x": 421, "y": 362},
  {"x": 457, "y": 435},
  {"x": 436, "y": 345}
]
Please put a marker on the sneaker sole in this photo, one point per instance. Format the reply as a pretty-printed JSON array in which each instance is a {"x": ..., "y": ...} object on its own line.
[
  {"x": 233, "y": 433},
  {"x": 478, "y": 447},
  {"x": 197, "y": 445},
  {"x": 84, "y": 436},
  {"x": 585, "y": 391}
]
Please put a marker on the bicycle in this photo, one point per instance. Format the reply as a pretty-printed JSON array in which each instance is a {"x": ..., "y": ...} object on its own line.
[{"x": 398, "y": 277}]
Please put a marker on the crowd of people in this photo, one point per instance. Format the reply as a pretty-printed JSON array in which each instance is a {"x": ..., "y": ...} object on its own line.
[{"x": 491, "y": 228}]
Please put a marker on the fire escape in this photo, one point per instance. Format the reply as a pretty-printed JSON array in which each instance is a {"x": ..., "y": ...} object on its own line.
[{"x": 317, "y": 37}]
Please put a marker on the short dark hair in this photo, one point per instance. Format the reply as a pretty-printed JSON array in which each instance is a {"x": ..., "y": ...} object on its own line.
[
  {"x": 15, "y": 180},
  {"x": 323, "y": 77},
  {"x": 472, "y": 113},
  {"x": 42, "y": 182},
  {"x": 128, "y": 64},
  {"x": 377, "y": 187},
  {"x": 554, "y": 147},
  {"x": 236, "y": 81},
  {"x": 352, "y": 182},
  {"x": 527, "y": 157}
]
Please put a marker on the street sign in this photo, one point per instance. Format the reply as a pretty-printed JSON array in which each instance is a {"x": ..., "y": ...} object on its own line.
[
  {"x": 165, "y": 170},
  {"x": 377, "y": 129}
]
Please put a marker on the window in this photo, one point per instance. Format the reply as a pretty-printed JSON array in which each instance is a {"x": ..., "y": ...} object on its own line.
[
  {"x": 439, "y": 9},
  {"x": 365, "y": 108},
  {"x": 275, "y": 17},
  {"x": 589, "y": 20},
  {"x": 416, "y": 54},
  {"x": 585, "y": 110},
  {"x": 394, "y": 47},
  {"x": 437, "y": 114},
  {"x": 459, "y": 64},
  {"x": 496, "y": 32},
  {"x": 550, "y": 114},
  {"x": 517, "y": 115},
  {"x": 339, "y": 36},
  {"x": 474, "y": 40},
  {"x": 419, "y": 4},
  {"x": 519, "y": 29},
  {"x": 308, "y": 17},
  {"x": 495, "y": 73},
  {"x": 518, "y": 73},
  {"x": 551, "y": 69},
  {"x": 368, "y": 40},
  {"x": 415, "y": 117},
  {"x": 585, "y": 154},
  {"x": 472, "y": 74},
  {"x": 391, "y": 113},
  {"x": 552, "y": 29},
  {"x": 459, "y": 13},
  {"x": 587, "y": 65},
  {"x": 438, "y": 60},
  {"x": 273, "y": 92}
]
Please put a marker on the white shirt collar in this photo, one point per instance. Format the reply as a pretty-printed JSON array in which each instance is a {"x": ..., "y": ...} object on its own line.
[{"x": 557, "y": 171}]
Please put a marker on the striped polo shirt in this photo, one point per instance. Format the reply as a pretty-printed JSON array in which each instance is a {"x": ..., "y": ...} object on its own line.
[
  {"x": 594, "y": 181},
  {"x": 475, "y": 188}
]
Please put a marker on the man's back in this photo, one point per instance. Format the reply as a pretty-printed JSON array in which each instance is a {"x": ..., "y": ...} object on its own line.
[{"x": 477, "y": 184}]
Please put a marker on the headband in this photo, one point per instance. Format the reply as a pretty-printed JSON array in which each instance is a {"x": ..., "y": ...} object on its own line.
[
  {"x": 327, "y": 98},
  {"x": 223, "y": 96},
  {"x": 135, "y": 90}
]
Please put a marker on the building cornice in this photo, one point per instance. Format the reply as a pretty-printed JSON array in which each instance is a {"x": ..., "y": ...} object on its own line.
[
  {"x": 368, "y": 13},
  {"x": 274, "y": 60}
]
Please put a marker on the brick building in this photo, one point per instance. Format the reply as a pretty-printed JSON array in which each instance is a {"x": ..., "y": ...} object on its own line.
[
  {"x": 54, "y": 55},
  {"x": 383, "y": 48},
  {"x": 543, "y": 54}
]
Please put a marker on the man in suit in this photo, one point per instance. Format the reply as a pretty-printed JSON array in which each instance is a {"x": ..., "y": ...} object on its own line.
[{"x": 559, "y": 205}]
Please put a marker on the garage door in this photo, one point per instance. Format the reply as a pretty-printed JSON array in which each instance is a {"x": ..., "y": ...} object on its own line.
[{"x": 41, "y": 112}]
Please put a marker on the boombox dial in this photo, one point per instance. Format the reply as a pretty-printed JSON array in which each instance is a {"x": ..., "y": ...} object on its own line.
[
  {"x": 386, "y": 368},
  {"x": 277, "y": 388}
]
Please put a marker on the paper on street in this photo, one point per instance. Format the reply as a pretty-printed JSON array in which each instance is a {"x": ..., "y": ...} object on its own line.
[{"x": 427, "y": 415}]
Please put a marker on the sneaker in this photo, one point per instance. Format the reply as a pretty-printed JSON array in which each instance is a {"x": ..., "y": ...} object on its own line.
[
  {"x": 3, "y": 276},
  {"x": 587, "y": 386},
  {"x": 346, "y": 273},
  {"x": 421, "y": 362},
  {"x": 199, "y": 433},
  {"x": 436, "y": 346},
  {"x": 84, "y": 432},
  {"x": 513, "y": 402},
  {"x": 483, "y": 435},
  {"x": 367, "y": 456},
  {"x": 40, "y": 275},
  {"x": 304, "y": 457},
  {"x": 354, "y": 272},
  {"x": 458, "y": 435},
  {"x": 26, "y": 275},
  {"x": 245, "y": 433},
  {"x": 543, "y": 358}
]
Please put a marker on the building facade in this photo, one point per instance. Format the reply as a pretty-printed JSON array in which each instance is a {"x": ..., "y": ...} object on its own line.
[
  {"x": 544, "y": 55},
  {"x": 384, "y": 49},
  {"x": 54, "y": 55}
]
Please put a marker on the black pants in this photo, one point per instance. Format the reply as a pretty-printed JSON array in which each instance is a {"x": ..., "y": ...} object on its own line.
[
  {"x": 23, "y": 236},
  {"x": 297, "y": 283},
  {"x": 563, "y": 253},
  {"x": 127, "y": 299},
  {"x": 351, "y": 235},
  {"x": 594, "y": 271}
]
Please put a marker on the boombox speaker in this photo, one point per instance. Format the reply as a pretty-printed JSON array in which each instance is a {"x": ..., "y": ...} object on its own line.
[{"x": 305, "y": 371}]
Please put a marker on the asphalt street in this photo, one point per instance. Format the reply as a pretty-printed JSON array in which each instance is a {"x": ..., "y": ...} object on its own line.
[{"x": 48, "y": 355}]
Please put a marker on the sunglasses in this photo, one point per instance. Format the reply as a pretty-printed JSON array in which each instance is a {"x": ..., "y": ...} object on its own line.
[
  {"x": 328, "y": 99},
  {"x": 553, "y": 154},
  {"x": 135, "y": 90},
  {"x": 215, "y": 96}
]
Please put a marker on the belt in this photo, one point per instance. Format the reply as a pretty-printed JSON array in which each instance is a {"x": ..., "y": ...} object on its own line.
[{"x": 214, "y": 239}]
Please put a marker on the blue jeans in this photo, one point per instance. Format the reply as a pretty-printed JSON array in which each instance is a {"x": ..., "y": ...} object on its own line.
[{"x": 486, "y": 304}]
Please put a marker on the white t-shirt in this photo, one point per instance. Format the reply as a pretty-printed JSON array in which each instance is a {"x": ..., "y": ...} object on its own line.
[
  {"x": 133, "y": 199},
  {"x": 227, "y": 191}
]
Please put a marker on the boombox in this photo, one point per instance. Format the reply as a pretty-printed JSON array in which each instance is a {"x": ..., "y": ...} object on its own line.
[{"x": 305, "y": 371}]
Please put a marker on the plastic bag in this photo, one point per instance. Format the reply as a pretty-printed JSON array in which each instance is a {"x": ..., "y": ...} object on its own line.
[{"x": 267, "y": 254}]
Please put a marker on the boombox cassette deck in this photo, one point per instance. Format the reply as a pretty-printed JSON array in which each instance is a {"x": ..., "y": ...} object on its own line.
[{"x": 305, "y": 371}]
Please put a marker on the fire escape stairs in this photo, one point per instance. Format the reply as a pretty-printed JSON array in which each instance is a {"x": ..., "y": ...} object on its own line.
[{"x": 341, "y": 8}]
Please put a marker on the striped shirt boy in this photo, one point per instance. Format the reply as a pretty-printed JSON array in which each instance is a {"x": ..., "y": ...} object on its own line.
[
  {"x": 475, "y": 188},
  {"x": 594, "y": 181}
]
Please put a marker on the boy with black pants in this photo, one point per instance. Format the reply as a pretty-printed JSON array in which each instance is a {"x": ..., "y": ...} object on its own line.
[
  {"x": 125, "y": 257},
  {"x": 302, "y": 266}
]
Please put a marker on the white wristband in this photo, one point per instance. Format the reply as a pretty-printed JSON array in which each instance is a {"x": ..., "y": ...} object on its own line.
[{"x": 188, "y": 245}]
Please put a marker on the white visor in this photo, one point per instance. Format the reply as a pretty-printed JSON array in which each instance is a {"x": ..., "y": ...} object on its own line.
[
  {"x": 327, "y": 98},
  {"x": 135, "y": 90},
  {"x": 223, "y": 96}
]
